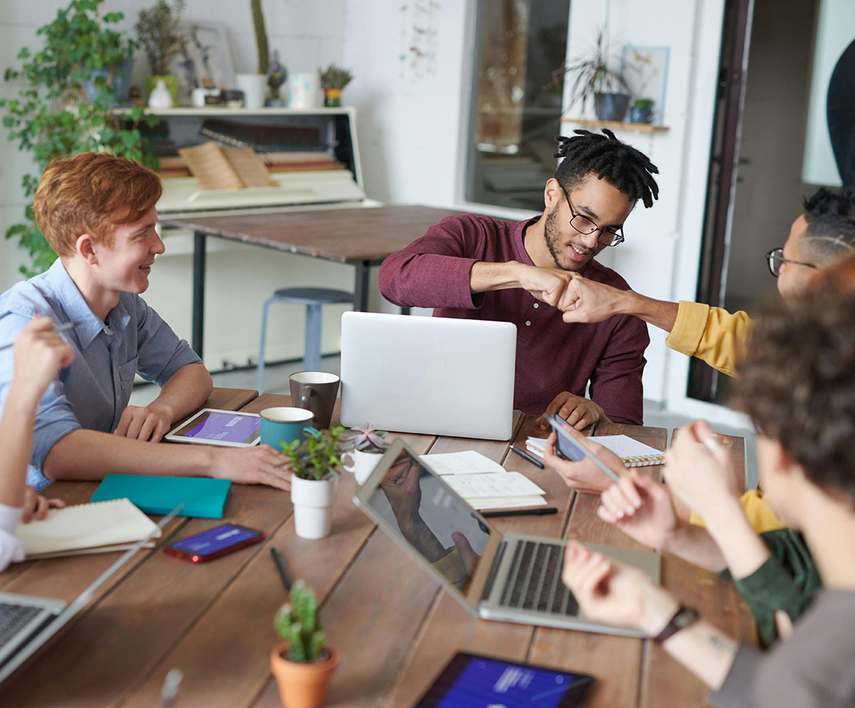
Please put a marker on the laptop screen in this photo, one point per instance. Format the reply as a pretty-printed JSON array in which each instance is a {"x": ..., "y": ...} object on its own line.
[{"x": 431, "y": 519}]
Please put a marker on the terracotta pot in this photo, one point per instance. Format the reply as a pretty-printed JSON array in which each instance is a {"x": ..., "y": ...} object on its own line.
[{"x": 302, "y": 685}]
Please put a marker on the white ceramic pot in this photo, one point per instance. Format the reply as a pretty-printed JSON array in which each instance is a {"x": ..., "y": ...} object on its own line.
[
  {"x": 361, "y": 464},
  {"x": 312, "y": 500},
  {"x": 304, "y": 90},
  {"x": 160, "y": 98},
  {"x": 254, "y": 86}
]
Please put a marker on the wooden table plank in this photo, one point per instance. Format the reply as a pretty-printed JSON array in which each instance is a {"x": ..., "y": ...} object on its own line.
[{"x": 341, "y": 235}]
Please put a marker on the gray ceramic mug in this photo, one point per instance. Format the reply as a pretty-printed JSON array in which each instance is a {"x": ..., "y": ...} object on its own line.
[{"x": 315, "y": 391}]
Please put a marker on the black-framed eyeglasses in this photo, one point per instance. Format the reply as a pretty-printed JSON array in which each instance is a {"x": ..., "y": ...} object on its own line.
[
  {"x": 776, "y": 260},
  {"x": 584, "y": 225}
]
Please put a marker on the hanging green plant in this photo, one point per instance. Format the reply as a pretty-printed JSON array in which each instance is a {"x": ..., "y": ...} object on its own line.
[{"x": 52, "y": 115}]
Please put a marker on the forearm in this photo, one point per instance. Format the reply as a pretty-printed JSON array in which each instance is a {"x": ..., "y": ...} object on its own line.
[
  {"x": 695, "y": 545},
  {"x": 659, "y": 313},
  {"x": 485, "y": 277},
  {"x": 705, "y": 651},
  {"x": 419, "y": 535},
  {"x": 184, "y": 393},
  {"x": 91, "y": 455},
  {"x": 16, "y": 442},
  {"x": 742, "y": 548}
]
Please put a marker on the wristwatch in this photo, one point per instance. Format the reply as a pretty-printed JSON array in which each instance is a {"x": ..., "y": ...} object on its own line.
[{"x": 684, "y": 617}]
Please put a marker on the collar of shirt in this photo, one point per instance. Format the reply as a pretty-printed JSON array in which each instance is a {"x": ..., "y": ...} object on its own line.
[{"x": 88, "y": 325}]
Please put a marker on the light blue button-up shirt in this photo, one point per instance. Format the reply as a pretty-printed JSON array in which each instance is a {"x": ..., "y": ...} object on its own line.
[{"x": 95, "y": 389}]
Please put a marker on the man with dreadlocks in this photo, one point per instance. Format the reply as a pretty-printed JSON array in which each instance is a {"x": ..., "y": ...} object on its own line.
[{"x": 476, "y": 267}]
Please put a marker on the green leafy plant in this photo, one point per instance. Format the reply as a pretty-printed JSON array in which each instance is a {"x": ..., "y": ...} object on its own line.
[
  {"x": 260, "y": 36},
  {"x": 317, "y": 455},
  {"x": 157, "y": 29},
  {"x": 334, "y": 77},
  {"x": 298, "y": 623},
  {"x": 52, "y": 117},
  {"x": 593, "y": 74},
  {"x": 643, "y": 103}
]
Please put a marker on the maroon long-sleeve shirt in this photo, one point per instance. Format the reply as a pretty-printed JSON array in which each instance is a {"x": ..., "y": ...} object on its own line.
[{"x": 552, "y": 356}]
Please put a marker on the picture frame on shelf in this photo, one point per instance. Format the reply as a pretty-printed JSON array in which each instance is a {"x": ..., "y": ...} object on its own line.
[
  {"x": 646, "y": 73},
  {"x": 204, "y": 54}
]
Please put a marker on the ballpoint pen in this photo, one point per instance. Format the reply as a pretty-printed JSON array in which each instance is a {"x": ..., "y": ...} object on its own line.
[
  {"x": 536, "y": 511},
  {"x": 526, "y": 456},
  {"x": 59, "y": 328},
  {"x": 280, "y": 566}
]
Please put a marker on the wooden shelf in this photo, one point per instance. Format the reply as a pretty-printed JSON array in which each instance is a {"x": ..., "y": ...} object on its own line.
[{"x": 614, "y": 125}]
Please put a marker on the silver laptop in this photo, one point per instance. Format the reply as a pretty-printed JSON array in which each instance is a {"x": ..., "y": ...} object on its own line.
[
  {"x": 430, "y": 375},
  {"x": 511, "y": 577},
  {"x": 27, "y": 622}
]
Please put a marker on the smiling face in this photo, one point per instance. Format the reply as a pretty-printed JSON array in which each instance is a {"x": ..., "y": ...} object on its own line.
[
  {"x": 125, "y": 266},
  {"x": 594, "y": 198}
]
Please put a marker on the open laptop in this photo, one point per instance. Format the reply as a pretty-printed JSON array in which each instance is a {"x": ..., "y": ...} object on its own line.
[
  {"x": 431, "y": 375},
  {"x": 27, "y": 622},
  {"x": 511, "y": 577}
]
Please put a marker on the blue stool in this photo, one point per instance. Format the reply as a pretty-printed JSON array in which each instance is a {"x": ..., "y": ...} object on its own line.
[{"x": 313, "y": 299}]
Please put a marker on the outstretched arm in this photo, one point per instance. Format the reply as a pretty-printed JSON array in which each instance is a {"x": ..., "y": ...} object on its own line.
[{"x": 589, "y": 301}]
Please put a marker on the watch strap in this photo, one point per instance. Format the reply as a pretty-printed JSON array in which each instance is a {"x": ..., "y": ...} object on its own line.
[{"x": 683, "y": 617}]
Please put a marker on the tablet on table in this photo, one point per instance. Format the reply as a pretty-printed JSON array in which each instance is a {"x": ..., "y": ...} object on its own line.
[{"x": 216, "y": 427}]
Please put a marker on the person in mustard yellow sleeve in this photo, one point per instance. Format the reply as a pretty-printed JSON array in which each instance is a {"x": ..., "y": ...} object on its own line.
[{"x": 823, "y": 232}]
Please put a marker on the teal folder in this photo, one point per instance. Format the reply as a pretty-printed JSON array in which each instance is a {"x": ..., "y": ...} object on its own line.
[{"x": 202, "y": 497}]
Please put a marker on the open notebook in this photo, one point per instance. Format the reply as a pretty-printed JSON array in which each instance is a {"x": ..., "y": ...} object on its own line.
[
  {"x": 631, "y": 452},
  {"x": 86, "y": 528}
]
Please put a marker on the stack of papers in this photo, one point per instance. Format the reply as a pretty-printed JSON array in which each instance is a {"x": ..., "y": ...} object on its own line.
[
  {"x": 483, "y": 483},
  {"x": 631, "y": 452}
]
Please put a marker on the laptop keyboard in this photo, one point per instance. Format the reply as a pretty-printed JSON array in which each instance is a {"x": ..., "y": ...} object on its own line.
[
  {"x": 13, "y": 618},
  {"x": 534, "y": 580}
]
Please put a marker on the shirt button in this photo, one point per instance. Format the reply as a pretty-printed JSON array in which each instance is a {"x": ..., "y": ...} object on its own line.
[
  {"x": 536, "y": 305},
  {"x": 528, "y": 323}
]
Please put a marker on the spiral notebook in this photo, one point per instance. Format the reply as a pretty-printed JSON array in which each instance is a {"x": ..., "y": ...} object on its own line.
[
  {"x": 631, "y": 452},
  {"x": 86, "y": 528}
]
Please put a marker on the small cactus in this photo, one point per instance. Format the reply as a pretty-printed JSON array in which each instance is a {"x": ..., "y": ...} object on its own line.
[{"x": 298, "y": 623}]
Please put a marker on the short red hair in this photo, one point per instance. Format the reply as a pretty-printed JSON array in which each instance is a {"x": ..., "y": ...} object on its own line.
[{"x": 92, "y": 193}]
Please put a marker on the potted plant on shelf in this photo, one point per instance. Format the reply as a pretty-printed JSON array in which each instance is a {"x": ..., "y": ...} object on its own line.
[
  {"x": 314, "y": 465},
  {"x": 595, "y": 78},
  {"x": 254, "y": 85},
  {"x": 333, "y": 81},
  {"x": 364, "y": 446},
  {"x": 157, "y": 29},
  {"x": 52, "y": 115},
  {"x": 303, "y": 665},
  {"x": 641, "y": 111}
]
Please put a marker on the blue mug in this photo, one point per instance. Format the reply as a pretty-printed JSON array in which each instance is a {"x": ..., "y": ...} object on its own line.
[{"x": 284, "y": 425}]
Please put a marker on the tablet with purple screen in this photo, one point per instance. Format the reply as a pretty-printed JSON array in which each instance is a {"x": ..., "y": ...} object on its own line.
[{"x": 216, "y": 427}]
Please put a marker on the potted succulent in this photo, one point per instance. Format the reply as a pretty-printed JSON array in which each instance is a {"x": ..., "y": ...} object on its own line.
[
  {"x": 595, "y": 78},
  {"x": 641, "y": 111},
  {"x": 333, "y": 81},
  {"x": 314, "y": 467},
  {"x": 157, "y": 29},
  {"x": 364, "y": 446},
  {"x": 254, "y": 85},
  {"x": 302, "y": 664}
]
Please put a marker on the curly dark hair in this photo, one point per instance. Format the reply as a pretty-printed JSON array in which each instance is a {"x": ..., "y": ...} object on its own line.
[
  {"x": 831, "y": 222},
  {"x": 628, "y": 170},
  {"x": 797, "y": 383}
]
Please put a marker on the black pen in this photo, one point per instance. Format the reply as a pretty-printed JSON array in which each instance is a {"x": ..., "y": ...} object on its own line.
[
  {"x": 526, "y": 456},
  {"x": 280, "y": 566},
  {"x": 535, "y": 511}
]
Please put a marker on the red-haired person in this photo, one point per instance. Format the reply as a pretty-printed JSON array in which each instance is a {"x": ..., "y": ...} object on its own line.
[
  {"x": 39, "y": 355},
  {"x": 98, "y": 213}
]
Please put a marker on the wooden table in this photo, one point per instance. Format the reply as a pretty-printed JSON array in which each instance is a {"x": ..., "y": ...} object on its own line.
[
  {"x": 360, "y": 237},
  {"x": 392, "y": 626}
]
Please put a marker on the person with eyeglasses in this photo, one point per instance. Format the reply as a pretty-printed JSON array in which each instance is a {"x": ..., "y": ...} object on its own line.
[{"x": 476, "y": 267}]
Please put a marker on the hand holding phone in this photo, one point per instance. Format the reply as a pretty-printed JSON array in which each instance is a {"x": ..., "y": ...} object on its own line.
[
  {"x": 214, "y": 543},
  {"x": 570, "y": 449}
]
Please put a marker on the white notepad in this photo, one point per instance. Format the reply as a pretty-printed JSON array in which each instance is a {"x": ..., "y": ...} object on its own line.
[
  {"x": 86, "y": 528},
  {"x": 631, "y": 452}
]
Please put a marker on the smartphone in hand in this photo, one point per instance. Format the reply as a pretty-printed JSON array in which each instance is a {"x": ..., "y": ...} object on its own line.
[{"x": 571, "y": 450}]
